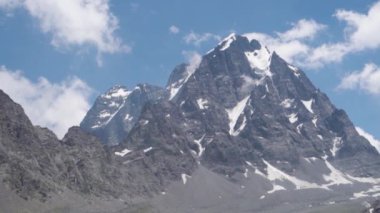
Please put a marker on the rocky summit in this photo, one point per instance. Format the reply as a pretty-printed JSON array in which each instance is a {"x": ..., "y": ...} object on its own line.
[{"x": 240, "y": 130}]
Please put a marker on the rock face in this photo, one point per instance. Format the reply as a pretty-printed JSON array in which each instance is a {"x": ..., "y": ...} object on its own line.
[
  {"x": 39, "y": 168},
  {"x": 114, "y": 113},
  {"x": 240, "y": 130}
]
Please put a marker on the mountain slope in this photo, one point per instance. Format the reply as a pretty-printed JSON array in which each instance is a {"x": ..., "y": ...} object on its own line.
[
  {"x": 114, "y": 113},
  {"x": 241, "y": 130},
  {"x": 255, "y": 120}
]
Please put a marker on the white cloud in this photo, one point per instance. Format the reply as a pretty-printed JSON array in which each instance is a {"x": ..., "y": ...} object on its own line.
[
  {"x": 361, "y": 34},
  {"x": 197, "y": 39},
  {"x": 75, "y": 22},
  {"x": 57, "y": 106},
  {"x": 362, "y": 29},
  {"x": 174, "y": 29},
  {"x": 8, "y": 4},
  {"x": 367, "y": 79},
  {"x": 326, "y": 53},
  {"x": 194, "y": 59},
  {"x": 375, "y": 143},
  {"x": 292, "y": 45},
  {"x": 303, "y": 29}
]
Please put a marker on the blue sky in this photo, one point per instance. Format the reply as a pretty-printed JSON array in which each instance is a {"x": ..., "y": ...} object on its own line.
[{"x": 110, "y": 42}]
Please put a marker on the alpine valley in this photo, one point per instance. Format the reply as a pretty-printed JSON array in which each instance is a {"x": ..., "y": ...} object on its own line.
[{"x": 238, "y": 130}]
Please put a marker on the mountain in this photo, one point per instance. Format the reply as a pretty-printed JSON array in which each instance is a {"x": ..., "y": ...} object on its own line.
[
  {"x": 240, "y": 130},
  {"x": 114, "y": 113},
  {"x": 260, "y": 131}
]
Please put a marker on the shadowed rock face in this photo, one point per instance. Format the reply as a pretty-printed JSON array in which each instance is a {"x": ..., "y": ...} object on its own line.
[
  {"x": 36, "y": 165},
  {"x": 242, "y": 131}
]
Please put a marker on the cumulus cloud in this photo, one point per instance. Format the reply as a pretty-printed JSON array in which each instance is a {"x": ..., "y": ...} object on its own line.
[
  {"x": 361, "y": 34},
  {"x": 57, "y": 106},
  {"x": 74, "y": 22},
  {"x": 362, "y": 29},
  {"x": 292, "y": 44},
  {"x": 375, "y": 143},
  {"x": 303, "y": 29},
  {"x": 368, "y": 79},
  {"x": 174, "y": 29},
  {"x": 197, "y": 39}
]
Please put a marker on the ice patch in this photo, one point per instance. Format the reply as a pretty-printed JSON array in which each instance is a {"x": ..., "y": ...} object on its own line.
[
  {"x": 308, "y": 105},
  {"x": 202, "y": 103},
  {"x": 123, "y": 152},
  {"x": 234, "y": 113}
]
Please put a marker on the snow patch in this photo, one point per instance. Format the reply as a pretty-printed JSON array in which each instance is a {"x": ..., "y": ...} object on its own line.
[
  {"x": 144, "y": 122},
  {"x": 315, "y": 120},
  {"x": 202, "y": 103},
  {"x": 276, "y": 188},
  {"x": 234, "y": 114},
  {"x": 104, "y": 114},
  {"x": 335, "y": 177},
  {"x": 337, "y": 142},
  {"x": 295, "y": 70},
  {"x": 375, "y": 143},
  {"x": 308, "y": 105},
  {"x": 117, "y": 93},
  {"x": 174, "y": 88},
  {"x": 320, "y": 137},
  {"x": 227, "y": 41},
  {"x": 259, "y": 59},
  {"x": 148, "y": 149},
  {"x": 275, "y": 174},
  {"x": 128, "y": 117},
  {"x": 293, "y": 118},
  {"x": 200, "y": 147},
  {"x": 184, "y": 178},
  {"x": 123, "y": 152},
  {"x": 287, "y": 103},
  {"x": 299, "y": 127},
  {"x": 246, "y": 173}
]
